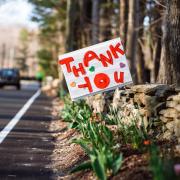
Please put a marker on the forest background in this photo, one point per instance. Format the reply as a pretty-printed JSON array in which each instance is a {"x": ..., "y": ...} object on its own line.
[{"x": 149, "y": 30}]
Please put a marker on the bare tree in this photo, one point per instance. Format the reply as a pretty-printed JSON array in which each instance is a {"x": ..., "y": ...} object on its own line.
[
  {"x": 70, "y": 34},
  {"x": 132, "y": 37},
  {"x": 141, "y": 73},
  {"x": 70, "y": 24},
  {"x": 155, "y": 11},
  {"x": 170, "y": 65},
  {"x": 123, "y": 18},
  {"x": 84, "y": 29},
  {"x": 105, "y": 21},
  {"x": 95, "y": 21}
]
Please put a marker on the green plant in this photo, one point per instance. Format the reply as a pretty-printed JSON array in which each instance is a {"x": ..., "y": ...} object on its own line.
[
  {"x": 133, "y": 134},
  {"x": 62, "y": 94},
  {"x": 76, "y": 113},
  {"x": 129, "y": 130},
  {"x": 97, "y": 140},
  {"x": 161, "y": 164},
  {"x": 156, "y": 164},
  {"x": 99, "y": 145},
  {"x": 112, "y": 117}
]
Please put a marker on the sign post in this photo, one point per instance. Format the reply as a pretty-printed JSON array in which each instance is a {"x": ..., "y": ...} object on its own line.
[{"x": 95, "y": 69}]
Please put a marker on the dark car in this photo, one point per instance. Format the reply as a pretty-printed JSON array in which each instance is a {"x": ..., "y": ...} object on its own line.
[{"x": 10, "y": 77}]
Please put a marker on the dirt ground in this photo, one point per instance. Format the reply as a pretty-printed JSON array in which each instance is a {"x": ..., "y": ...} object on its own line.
[{"x": 66, "y": 154}]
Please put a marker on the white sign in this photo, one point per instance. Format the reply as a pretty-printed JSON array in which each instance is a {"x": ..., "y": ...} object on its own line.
[{"x": 95, "y": 69}]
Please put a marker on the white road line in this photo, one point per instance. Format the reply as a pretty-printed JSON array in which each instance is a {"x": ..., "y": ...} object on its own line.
[{"x": 17, "y": 117}]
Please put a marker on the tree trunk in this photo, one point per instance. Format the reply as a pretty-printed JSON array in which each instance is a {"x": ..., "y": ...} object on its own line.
[
  {"x": 70, "y": 22},
  {"x": 70, "y": 35},
  {"x": 141, "y": 73},
  {"x": 156, "y": 34},
  {"x": 131, "y": 46},
  {"x": 84, "y": 29},
  {"x": 170, "y": 73},
  {"x": 123, "y": 21},
  {"x": 105, "y": 22},
  {"x": 95, "y": 21},
  {"x": 156, "y": 56}
]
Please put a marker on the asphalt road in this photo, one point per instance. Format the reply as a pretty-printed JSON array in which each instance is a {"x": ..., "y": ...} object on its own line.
[{"x": 25, "y": 152}]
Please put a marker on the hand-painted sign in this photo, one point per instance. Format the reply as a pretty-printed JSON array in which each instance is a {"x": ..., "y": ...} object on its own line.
[{"x": 95, "y": 69}]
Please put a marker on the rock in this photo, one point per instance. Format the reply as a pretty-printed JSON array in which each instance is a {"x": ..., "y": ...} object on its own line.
[
  {"x": 130, "y": 93},
  {"x": 148, "y": 101},
  {"x": 46, "y": 88},
  {"x": 165, "y": 119},
  {"x": 138, "y": 98},
  {"x": 48, "y": 80},
  {"x": 171, "y": 103},
  {"x": 177, "y": 107},
  {"x": 159, "y": 107},
  {"x": 164, "y": 91},
  {"x": 177, "y": 149},
  {"x": 177, "y": 127},
  {"x": 174, "y": 98},
  {"x": 167, "y": 135},
  {"x": 55, "y": 83},
  {"x": 170, "y": 112},
  {"x": 131, "y": 101},
  {"x": 143, "y": 112},
  {"x": 143, "y": 88},
  {"x": 162, "y": 112},
  {"x": 159, "y": 90},
  {"x": 170, "y": 126},
  {"x": 127, "y": 92},
  {"x": 98, "y": 103},
  {"x": 53, "y": 92},
  {"x": 125, "y": 99}
]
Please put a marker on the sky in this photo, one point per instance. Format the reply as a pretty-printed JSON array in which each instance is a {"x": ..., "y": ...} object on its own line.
[{"x": 16, "y": 12}]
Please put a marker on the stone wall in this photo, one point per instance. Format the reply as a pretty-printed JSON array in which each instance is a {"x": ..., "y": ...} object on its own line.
[
  {"x": 51, "y": 86},
  {"x": 158, "y": 104}
]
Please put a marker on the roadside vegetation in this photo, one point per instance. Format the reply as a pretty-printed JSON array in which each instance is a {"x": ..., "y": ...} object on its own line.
[{"x": 109, "y": 142}]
